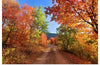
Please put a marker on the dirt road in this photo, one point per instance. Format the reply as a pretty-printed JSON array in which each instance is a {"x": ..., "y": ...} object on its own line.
[{"x": 51, "y": 56}]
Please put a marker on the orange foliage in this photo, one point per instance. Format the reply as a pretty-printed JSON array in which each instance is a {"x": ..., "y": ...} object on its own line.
[
  {"x": 52, "y": 40},
  {"x": 43, "y": 39},
  {"x": 17, "y": 21},
  {"x": 69, "y": 12}
]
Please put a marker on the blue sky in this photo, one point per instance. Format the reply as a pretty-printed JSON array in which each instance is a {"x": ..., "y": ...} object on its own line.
[{"x": 44, "y": 3}]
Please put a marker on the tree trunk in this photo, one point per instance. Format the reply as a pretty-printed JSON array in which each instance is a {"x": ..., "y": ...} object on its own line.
[
  {"x": 4, "y": 45},
  {"x": 34, "y": 44}
]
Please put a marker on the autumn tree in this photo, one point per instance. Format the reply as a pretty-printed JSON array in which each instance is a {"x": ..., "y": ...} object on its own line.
[
  {"x": 43, "y": 40},
  {"x": 71, "y": 11},
  {"x": 52, "y": 40},
  {"x": 8, "y": 18},
  {"x": 25, "y": 21},
  {"x": 17, "y": 23}
]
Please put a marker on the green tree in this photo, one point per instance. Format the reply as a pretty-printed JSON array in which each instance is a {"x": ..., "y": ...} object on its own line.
[
  {"x": 40, "y": 22},
  {"x": 64, "y": 35},
  {"x": 40, "y": 25}
]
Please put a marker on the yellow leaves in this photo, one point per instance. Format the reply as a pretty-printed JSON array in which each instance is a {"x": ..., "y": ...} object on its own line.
[
  {"x": 88, "y": 39},
  {"x": 76, "y": 36},
  {"x": 6, "y": 53},
  {"x": 7, "y": 28},
  {"x": 13, "y": 49},
  {"x": 92, "y": 57},
  {"x": 85, "y": 36}
]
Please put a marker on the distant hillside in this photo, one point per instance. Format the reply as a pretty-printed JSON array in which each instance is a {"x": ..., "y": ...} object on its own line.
[{"x": 49, "y": 35}]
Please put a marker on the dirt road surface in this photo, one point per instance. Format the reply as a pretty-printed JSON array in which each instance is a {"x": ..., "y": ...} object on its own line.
[{"x": 51, "y": 55}]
